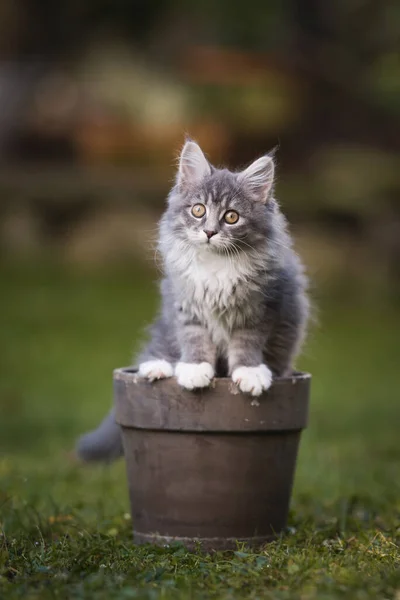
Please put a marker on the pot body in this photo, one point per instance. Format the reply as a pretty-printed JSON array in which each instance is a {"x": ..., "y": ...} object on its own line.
[{"x": 210, "y": 467}]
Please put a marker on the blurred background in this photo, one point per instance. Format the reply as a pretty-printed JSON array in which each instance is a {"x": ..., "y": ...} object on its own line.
[{"x": 95, "y": 100}]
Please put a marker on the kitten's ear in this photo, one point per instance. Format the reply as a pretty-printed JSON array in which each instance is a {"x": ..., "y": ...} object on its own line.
[
  {"x": 259, "y": 177},
  {"x": 193, "y": 165}
]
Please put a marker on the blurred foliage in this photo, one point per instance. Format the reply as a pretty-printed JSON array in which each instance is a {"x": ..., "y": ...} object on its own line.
[{"x": 96, "y": 98}]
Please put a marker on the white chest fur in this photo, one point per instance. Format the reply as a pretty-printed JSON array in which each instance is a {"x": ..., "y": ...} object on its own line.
[{"x": 215, "y": 289}]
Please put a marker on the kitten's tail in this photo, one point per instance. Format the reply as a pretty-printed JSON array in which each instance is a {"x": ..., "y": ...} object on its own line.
[{"x": 102, "y": 444}]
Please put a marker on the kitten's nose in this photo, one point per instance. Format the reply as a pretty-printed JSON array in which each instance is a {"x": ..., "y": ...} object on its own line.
[{"x": 209, "y": 233}]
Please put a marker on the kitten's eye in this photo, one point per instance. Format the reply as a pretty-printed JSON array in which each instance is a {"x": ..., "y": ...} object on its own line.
[
  {"x": 231, "y": 217},
  {"x": 198, "y": 210}
]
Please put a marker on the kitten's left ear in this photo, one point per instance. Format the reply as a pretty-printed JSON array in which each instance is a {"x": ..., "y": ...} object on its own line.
[
  {"x": 259, "y": 177},
  {"x": 193, "y": 165}
]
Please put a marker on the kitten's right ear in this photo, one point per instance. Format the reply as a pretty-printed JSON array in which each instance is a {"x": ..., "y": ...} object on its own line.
[{"x": 193, "y": 165}]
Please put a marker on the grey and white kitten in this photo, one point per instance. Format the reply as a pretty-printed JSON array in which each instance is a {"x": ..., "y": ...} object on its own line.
[{"x": 234, "y": 297}]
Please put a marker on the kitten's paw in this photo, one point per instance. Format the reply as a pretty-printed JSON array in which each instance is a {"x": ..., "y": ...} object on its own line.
[
  {"x": 155, "y": 369},
  {"x": 194, "y": 375},
  {"x": 253, "y": 380}
]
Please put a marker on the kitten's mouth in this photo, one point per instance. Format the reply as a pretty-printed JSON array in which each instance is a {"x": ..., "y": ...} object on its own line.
[
  {"x": 208, "y": 243},
  {"x": 211, "y": 245},
  {"x": 215, "y": 248},
  {"x": 208, "y": 248}
]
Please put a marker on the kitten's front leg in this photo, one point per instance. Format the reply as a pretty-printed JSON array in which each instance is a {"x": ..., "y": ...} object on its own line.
[
  {"x": 245, "y": 356},
  {"x": 198, "y": 355}
]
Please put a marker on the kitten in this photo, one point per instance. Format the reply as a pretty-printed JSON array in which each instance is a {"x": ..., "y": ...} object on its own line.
[{"x": 234, "y": 297}]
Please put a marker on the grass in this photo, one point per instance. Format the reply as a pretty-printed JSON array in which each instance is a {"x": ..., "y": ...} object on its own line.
[{"x": 65, "y": 529}]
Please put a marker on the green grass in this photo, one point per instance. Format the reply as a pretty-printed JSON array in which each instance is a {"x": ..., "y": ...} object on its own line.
[{"x": 65, "y": 528}]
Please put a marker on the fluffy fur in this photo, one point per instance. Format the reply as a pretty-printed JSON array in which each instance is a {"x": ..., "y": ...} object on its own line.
[{"x": 233, "y": 303}]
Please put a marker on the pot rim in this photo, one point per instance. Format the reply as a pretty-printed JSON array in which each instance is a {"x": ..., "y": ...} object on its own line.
[
  {"x": 131, "y": 373},
  {"x": 221, "y": 408}
]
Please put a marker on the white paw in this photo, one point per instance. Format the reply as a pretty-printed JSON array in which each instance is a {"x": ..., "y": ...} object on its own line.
[
  {"x": 194, "y": 375},
  {"x": 253, "y": 380},
  {"x": 155, "y": 369}
]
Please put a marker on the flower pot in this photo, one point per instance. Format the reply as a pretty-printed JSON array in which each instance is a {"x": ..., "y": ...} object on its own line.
[{"x": 213, "y": 466}]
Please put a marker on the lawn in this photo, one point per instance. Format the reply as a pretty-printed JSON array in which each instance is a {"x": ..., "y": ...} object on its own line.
[{"x": 65, "y": 528}]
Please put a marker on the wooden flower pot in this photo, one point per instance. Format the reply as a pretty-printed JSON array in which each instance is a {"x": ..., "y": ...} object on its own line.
[{"x": 210, "y": 467}]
